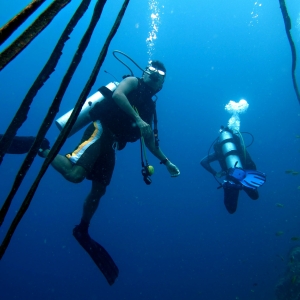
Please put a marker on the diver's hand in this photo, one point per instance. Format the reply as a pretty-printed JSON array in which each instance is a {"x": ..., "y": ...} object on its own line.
[
  {"x": 173, "y": 170},
  {"x": 220, "y": 174},
  {"x": 144, "y": 127}
]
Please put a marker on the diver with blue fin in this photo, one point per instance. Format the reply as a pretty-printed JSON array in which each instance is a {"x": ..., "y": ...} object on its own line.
[{"x": 236, "y": 163}]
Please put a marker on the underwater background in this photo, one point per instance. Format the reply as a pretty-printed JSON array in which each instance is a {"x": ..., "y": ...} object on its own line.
[{"x": 173, "y": 239}]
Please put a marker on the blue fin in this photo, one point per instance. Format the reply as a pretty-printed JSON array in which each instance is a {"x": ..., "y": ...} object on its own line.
[{"x": 248, "y": 178}]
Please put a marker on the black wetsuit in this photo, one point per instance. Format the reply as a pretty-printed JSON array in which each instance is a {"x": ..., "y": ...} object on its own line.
[
  {"x": 117, "y": 121},
  {"x": 95, "y": 154},
  {"x": 231, "y": 194}
]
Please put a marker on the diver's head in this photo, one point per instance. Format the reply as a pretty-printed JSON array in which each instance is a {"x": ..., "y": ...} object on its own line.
[{"x": 154, "y": 75}]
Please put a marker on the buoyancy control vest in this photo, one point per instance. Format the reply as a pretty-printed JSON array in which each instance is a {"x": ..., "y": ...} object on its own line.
[{"x": 115, "y": 119}]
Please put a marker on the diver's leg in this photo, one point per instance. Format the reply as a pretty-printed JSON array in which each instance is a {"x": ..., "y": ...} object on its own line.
[
  {"x": 90, "y": 206},
  {"x": 68, "y": 170},
  {"x": 253, "y": 194},
  {"x": 231, "y": 196},
  {"x": 98, "y": 254},
  {"x": 77, "y": 164},
  {"x": 100, "y": 174},
  {"x": 92, "y": 201}
]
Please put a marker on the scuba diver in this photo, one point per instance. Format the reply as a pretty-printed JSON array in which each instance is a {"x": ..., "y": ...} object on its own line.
[
  {"x": 125, "y": 115},
  {"x": 237, "y": 167},
  {"x": 22, "y": 144}
]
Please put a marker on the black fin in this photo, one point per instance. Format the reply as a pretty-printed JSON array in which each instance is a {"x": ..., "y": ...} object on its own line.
[{"x": 98, "y": 254}]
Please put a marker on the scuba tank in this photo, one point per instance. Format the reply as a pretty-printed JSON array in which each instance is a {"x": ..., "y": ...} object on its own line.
[
  {"x": 84, "y": 117},
  {"x": 237, "y": 176},
  {"x": 229, "y": 150}
]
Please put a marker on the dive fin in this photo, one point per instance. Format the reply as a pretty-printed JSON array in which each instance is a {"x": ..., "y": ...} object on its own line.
[
  {"x": 248, "y": 178},
  {"x": 254, "y": 179},
  {"x": 98, "y": 254}
]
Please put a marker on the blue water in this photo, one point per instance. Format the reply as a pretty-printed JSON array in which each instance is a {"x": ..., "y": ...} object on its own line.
[{"x": 173, "y": 239}]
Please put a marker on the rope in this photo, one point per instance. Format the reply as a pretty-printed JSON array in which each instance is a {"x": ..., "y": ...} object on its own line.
[
  {"x": 288, "y": 27},
  {"x": 31, "y": 32},
  {"x": 9, "y": 28},
  {"x": 24, "y": 108},
  {"x": 64, "y": 133},
  {"x": 49, "y": 68}
]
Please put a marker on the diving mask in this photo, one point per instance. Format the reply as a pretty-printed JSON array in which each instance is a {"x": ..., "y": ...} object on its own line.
[{"x": 154, "y": 70}]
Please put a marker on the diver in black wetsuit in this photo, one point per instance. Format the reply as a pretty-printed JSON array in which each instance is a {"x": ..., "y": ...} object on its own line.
[
  {"x": 231, "y": 154},
  {"x": 124, "y": 116},
  {"x": 22, "y": 144}
]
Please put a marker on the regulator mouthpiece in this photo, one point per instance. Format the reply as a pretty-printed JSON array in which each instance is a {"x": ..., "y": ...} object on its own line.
[{"x": 154, "y": 77}]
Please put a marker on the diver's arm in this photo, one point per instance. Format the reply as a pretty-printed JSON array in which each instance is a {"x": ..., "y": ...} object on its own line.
[
  {"x": 205, "y": 163},
  {"x": 126, "y": 86},
  {"x": 150, "y": 144}
]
